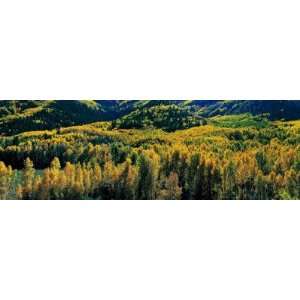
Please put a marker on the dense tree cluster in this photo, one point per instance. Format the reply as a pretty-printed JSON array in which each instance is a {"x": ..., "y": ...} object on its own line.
[
  {"x": 168, "y": 117},
  {"x": 20, "y": 116},
  {"x": 164, "y": 175},
  {"x": 205, "y": 162}
]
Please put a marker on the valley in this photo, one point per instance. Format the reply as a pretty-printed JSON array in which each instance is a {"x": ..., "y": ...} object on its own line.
[{"x": 159, "y": 149}]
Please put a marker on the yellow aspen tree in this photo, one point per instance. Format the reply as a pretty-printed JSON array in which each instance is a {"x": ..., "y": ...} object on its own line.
[
  {"x": 63, "y": 185},
  {"x": 97, "y": 175},
  {"x": 46, "y": 185},
  {"x": 69, "y": 172},
  {"x": 5, "y": 179},
  {"x": 36, "y": 190},
  {"x": 79, "y": 186},
  {"x": 28, "y": 176},
  {"x": 87, "y": 181}
]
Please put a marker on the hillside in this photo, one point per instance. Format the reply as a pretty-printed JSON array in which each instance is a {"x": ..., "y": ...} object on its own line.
[
  {"x": 20, "y": 116},
  {"x": 167, "y": 117},
  {"x": 276, "y": 110},
  {"x": 232, "y": 157},
  {"x": 179, "y": 149}
]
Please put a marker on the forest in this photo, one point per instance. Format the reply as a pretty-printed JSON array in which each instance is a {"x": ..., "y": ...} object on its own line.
[{"x": 148, "y": 152}]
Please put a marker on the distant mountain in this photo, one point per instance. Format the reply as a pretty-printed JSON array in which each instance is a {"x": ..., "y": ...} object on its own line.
[{"x": 26, "y": 115}]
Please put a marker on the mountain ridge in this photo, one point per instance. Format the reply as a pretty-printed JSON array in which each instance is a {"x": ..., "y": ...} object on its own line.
[{"x": 18, "y": 116}]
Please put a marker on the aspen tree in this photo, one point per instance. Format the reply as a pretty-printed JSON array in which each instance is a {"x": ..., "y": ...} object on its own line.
[
  {"x": 28, "y": 177},
  {"x": 5, "y": 180}
]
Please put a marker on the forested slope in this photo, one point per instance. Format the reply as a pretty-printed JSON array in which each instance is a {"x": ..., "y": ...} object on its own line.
[
  {"x": 179, "y": 149},
  {"x": 20, "y": 116},
  {"x": 215, "y": 161},
  {"x": 167, "y": 117},
  {"x": 275, "y": 109}
]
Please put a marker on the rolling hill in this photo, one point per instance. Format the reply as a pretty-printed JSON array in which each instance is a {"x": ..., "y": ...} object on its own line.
[
  {"x": 179, "y": 149},
  {"x": 18, "y": 116},
  {"x": 276, "y": 109}
]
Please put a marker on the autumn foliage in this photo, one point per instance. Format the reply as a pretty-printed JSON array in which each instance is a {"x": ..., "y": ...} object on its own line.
[{"x": 232, "y": 157}]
